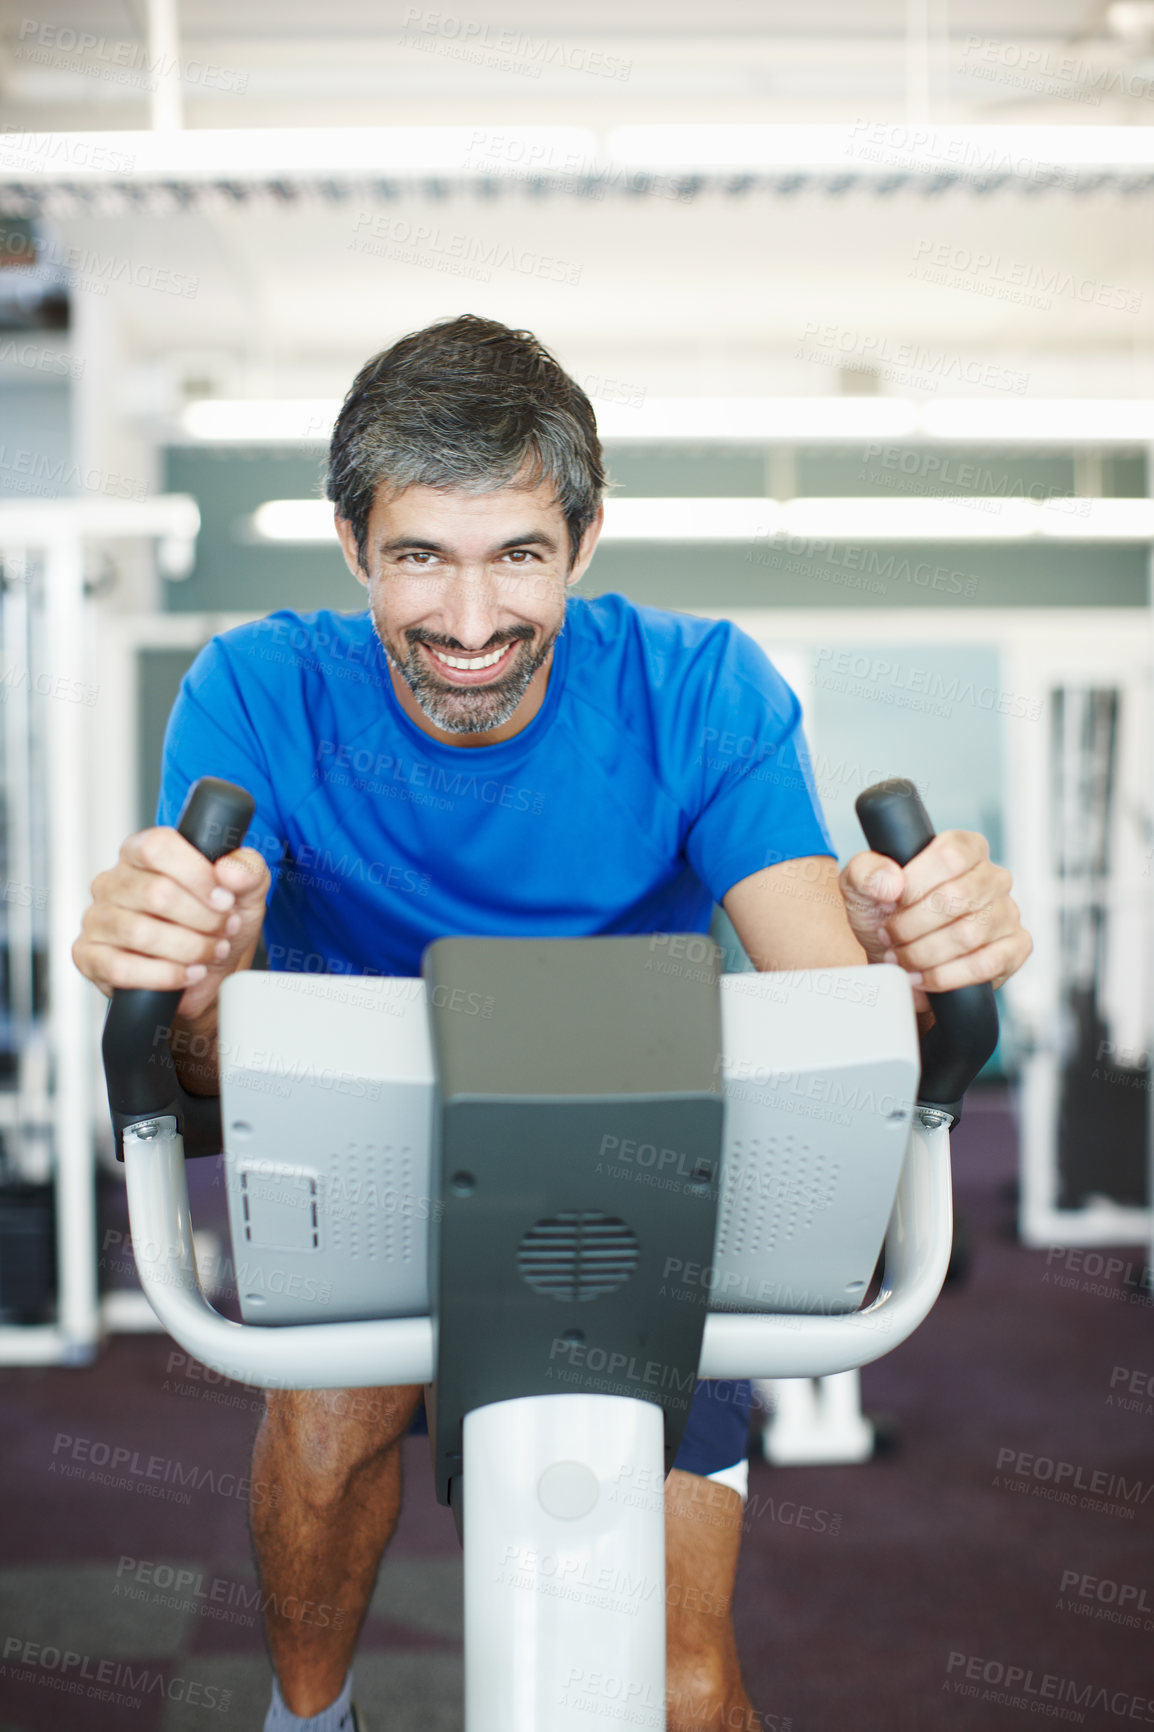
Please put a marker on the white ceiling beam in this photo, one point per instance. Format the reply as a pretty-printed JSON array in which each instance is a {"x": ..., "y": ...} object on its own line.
[
  {"x": 1040, "y": 421},
  {"x": 868, "y": 149}
]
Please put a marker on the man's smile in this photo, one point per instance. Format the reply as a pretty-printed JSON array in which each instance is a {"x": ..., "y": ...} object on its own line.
[{"x": 472, "y": 670}]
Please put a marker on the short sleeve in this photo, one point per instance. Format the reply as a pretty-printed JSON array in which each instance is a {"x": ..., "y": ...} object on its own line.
[
  {"x": 211, "y": 733},
  {"x": 759, "y": 803}
]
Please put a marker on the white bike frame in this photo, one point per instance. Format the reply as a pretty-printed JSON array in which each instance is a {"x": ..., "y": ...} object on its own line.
[{"x": 565, "y": 1592}]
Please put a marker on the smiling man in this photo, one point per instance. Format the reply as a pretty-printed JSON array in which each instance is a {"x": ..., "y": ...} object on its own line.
[
  {"x": 482, "y": 752},
  {"x": 469, "y": 698}
]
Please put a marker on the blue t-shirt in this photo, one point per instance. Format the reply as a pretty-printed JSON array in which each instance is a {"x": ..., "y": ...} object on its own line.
[{"x": 666, "y": 763}]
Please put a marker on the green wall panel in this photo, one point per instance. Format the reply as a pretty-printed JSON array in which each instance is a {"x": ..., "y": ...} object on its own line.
[
  {"x": 252, "y": 577},
  {"x": 954, "y": 576},
  {"x": 232, "y": 573}
]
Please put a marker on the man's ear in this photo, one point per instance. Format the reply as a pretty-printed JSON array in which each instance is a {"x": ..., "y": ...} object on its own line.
[
  {"x": 348, "y": 541},
  {"x": 586, "y": 548}
]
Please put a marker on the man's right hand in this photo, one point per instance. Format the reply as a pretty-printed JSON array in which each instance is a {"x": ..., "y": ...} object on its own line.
[{"x": 165, "y": 918}]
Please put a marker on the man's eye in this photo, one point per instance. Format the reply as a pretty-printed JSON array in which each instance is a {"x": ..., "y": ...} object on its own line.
[{"x": 520, "y": 554}]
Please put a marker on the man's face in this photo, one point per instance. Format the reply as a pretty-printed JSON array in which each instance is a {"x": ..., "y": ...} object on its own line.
[{"x": 467, "y": 593}]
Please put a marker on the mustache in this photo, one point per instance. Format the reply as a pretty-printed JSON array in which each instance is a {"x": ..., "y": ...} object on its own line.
[{"x": 519, "y": 634}]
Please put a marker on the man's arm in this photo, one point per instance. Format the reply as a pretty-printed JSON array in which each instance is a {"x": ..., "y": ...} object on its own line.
[
  {"x": 196, "y": 1052},
  {"x": 165, "y": 919},
  {"x": 793, "y": 915},
  {"x": 947, "y": 917}
]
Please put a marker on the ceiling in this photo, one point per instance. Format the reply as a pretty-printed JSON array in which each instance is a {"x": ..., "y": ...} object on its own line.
[
  {"x": 741, "y": 288},
  {"x": 355, "y": 62}
]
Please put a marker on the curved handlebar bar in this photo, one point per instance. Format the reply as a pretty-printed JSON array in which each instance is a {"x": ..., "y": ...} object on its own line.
[
  {"x": 142, "y": 1082},
  {"x": 965, "y": 1030}
]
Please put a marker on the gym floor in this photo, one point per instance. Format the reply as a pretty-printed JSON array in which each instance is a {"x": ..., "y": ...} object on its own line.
[{"x": 893, "y": 1597}]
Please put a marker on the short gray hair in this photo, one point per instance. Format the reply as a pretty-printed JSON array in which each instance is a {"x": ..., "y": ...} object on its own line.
[{"x": 470, "y": 404}]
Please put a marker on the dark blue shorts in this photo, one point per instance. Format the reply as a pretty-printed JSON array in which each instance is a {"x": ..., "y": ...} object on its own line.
[{"x": 716, "y": 1436}]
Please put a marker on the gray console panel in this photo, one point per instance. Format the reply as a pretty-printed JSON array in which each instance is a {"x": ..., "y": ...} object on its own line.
[
  {"x": 327, "y": 1088},
  {"x": 821, "y": 1071},
  {"x": 327, "y": 1107}
]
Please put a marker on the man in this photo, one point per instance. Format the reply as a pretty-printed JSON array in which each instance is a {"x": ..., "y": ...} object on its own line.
[{"x": 482, "y": 753}]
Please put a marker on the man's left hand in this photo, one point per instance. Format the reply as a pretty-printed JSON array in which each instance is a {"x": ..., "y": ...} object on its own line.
[{"x": 947, "y": 917}]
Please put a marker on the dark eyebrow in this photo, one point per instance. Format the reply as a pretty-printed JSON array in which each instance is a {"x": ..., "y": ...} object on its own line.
[{"x": 413, "y": 544}]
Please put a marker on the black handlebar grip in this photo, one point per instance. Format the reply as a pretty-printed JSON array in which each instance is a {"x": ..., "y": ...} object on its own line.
[
  {"x": 138, "y": 1069},
  {"x": 894, "y": 820},
  {"x": 965, "y": 1030},
  {"x": 215, "y": 817}
]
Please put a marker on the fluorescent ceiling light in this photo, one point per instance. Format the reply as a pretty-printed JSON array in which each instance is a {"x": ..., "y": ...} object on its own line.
[
  {"x": 688, "y": 519},
  {"x": 297, "y": 520},
  {"x": 918, "y": 519},
  {"x": 293, "y": 419},
  {"x": 1097, "y": 519},
  {"x": 970, "y": 518},
  {"x": 973, "y": 518},
  {"x": 758, "y": 418},
  {"x": 1043, "y": 420},
  {"x": 754, "y": 420}
]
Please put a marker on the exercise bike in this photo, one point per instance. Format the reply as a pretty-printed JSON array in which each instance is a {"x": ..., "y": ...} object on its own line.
[{"x": 557, "y": 1180}]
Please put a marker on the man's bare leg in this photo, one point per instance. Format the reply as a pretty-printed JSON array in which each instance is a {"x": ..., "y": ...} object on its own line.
[
  {"x": 704, "y": 1688},
  {"x": 326, "y": 1480},
  {"x": 326, "y": 1493}
]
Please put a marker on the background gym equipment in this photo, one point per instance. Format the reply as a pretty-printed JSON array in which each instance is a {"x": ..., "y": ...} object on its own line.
[
  {"x": 52, "y": 744},
  {"x": 560, "y": 1178}
]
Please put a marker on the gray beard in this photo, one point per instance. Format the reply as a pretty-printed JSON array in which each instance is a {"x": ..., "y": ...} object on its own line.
[{"x": 474, "y": 709}]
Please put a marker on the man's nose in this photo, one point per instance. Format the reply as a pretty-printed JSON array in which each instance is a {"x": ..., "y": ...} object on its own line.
[{"x": 473, "y": 609}]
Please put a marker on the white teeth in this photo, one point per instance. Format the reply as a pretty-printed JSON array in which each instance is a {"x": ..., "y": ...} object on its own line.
[{"x": 470, "y": 663}]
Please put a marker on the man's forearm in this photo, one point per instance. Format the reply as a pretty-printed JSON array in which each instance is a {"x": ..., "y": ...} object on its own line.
[
  {"x": 793, "y": 915},
  {"x": 195, "y": 1052},
  {"x": 195, "y": 1044}
]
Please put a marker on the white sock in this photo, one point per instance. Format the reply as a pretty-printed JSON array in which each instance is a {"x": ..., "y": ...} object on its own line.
[{"x": 337, "y": 1717}]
